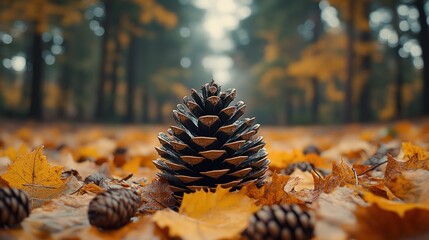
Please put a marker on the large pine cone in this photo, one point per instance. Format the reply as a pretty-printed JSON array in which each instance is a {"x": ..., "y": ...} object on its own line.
[
  {"x": 280, "y": 222},
  {"x": 114, "y": 208},
  {"x": 14, "y": 206},
  {"x": 211, "y": 146}
]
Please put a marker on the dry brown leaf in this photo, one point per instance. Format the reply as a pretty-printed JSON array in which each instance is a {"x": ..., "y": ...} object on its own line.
[
  {"x": 273, "y": 192},
  {"x": 3, "y": 183},
  {"x": 408, "y": 180},
  {"x": 207, "y": 215},
  {"x": 342, "y": 175},
  {"x": 157, "y": 196},
  {"x": 91, "y": 188},
  {"x": 140, "y": 228},
  {"x": 333, "y": 211},
  {"x": 60, "y": 214}
]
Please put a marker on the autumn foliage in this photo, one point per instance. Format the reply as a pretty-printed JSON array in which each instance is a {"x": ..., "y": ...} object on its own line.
[{"x": 367, "y": 183}]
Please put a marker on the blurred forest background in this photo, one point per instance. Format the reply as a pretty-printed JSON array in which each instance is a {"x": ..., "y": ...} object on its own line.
[{"x": 292, "y": 62}]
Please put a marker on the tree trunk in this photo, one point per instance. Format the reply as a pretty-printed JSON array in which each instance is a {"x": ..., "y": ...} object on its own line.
[
  {"x": 99, "y": 108},
  {"x": 37, "y": 77},
  {"x": 348, "y": 104},
  {"x": 366, "y": 69},
  {"x": 315, "y": 81},
  {"x": 399, "y": 80},
  {"x": 131, "y": 80},
  {"x": 65, "y": 83},
  {"x": 289, "y": 107},
  {"x": 114, "y": 79},
  {"x": 79, "y": 90},
  {"x": 423, "y": 38}
]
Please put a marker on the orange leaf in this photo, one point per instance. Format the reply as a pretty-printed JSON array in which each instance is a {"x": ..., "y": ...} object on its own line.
[
  {"x": 342, "y": 175},
  {"x": 399, "y": 208},
  {"x": 408, "y": 180},
  {"x": 91, "y": 187},
  {"x": 411, "y": 150},
  {"x": 272, "y": 192},
  {"x": 375, "y": 223}
]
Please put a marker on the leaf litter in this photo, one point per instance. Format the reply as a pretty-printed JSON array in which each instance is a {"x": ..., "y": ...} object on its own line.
[{"x": 359, "y": 175}]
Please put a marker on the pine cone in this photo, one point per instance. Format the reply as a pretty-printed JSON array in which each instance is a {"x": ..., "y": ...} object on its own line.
[
  {"x": 211, "y": 146},
  {"x": 280, "y": 222},
  {"x": 303, "y": 166},
  {"x": 311, "y": 149},
  {"x": 14, "y": 206},
  {"x": 114, "y": 208}
]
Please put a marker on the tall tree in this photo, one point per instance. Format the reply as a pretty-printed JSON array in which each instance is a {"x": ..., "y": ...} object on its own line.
[
  {"x": 423, "y": 38},
  {"x": 37, "y": 75},
  {"x": 399, "y": 79},
  {"x": 125, "y": 19},
  {"x": 104, "y": 67},
  {"x": 365, "y": 60},
  {"x": 316, "y": 17},
  {"x": 131, "y": 80},
  {"x": 348, "y": 101},
  {"x": 38, "y": 14}
]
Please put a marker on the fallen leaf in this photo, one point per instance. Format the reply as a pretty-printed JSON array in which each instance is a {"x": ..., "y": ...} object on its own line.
[
  {"x": 411, "y": 150},
  {"x": 91, "y": 188},
  {"x": 12, "y": 153},
  {"x": 342, "y": 175},
  {"x": 60, "y": 214},
  {"x": 333, "y": 211},
  {"x": 139, "y": 228},
  {"x": 157, "y": 196},
  {"x": 32, "y": 173},
  {"x": 132, "y": 166},
  {"x": 207, "y": 215},
  {"x": 3, "y": 183},
  {"x": 273, "y": 192},
  {"x": 375, "y": 222},
  {"x": 408, "y": 180},
  {"x": 400, "y": 208}
]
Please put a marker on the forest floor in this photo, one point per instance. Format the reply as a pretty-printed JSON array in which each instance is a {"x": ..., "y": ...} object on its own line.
[{"x": 349, "y": 176}]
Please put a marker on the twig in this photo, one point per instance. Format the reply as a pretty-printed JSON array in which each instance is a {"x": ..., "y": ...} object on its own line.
[
  {"x": 372, "y": 168},
  {"x": 356, "y": 177},
  {"x": 127, "y": 177}
]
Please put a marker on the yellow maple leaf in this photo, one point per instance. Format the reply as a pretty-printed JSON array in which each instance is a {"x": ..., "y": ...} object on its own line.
[
  {"x": 207, "y": 215},
  {"x": 32, "y": 173},
  {"x": 411, "y": 150}
]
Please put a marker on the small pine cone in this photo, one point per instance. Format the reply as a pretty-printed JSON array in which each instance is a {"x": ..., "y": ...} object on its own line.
[
  {"x": 311, "y": 149},
  {"x": 114, "y": 208},
  {"x": 14, "y": 206},
  {"x": 303, "y": 166},
  {"x": 280, "y": 222}
]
